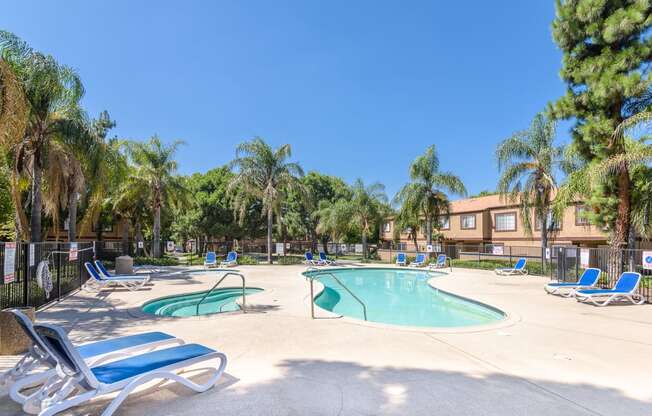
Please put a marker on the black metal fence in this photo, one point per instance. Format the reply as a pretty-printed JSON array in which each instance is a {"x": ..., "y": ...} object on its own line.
[
  {"x": 23, "y": 289},
  {"x": 109, "y": 250}
]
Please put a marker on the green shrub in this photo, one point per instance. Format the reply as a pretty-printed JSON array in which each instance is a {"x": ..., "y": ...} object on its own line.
[
  {"x": 163, "y": 261},
  {"x": 289, "y": 260},
  {"x": 247, "y": 260},
  {"x": 533, "y": 267}
]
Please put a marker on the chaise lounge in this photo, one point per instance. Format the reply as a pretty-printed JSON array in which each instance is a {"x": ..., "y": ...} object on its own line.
[
  {"x": 97, "y": 282},
  {"x": 518, "y": 269},
  {"x": 231, "y": 260},
  {"x": 78, "y": 383},
  {"x": 588, "y": 280},
  {"x": 625, "y": 289},
  {"x": 38, "y": 365}
]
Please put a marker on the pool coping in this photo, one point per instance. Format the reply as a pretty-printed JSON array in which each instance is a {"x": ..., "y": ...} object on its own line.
[
  {"x": 509, "y": 319},
  {"x": 136, "y": 311}
]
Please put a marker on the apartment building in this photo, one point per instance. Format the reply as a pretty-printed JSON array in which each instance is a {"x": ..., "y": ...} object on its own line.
[{"x": 492, "y": 219}]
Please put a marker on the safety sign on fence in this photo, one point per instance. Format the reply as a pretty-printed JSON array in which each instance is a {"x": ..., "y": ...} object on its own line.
[
  {"x": 10, "y": 263},
  {"x": 73, "y": 253},
  {"x": 585, "y": 257},
  {"x": 647, "y": 260}
]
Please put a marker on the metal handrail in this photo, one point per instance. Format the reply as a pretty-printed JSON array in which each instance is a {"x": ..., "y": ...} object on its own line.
[
  {"x": 244, "y": 297},
  {"x": 312, "y": 293}
]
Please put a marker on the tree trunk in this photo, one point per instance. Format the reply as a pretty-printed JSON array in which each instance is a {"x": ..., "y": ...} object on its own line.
[
  {"x": 324, "y": 242},
  {"x": 270, "y": 223},
  {"x": 156, "y": 232},
  {"x": 621, "y": 228},
  {"x": 37, "y": 200},
  {"x": 125, "y": 237},
  {"x": 428, "y": 230},
  {"x": 544, "y": 237},
  {"x": 72, "y": 217},
  {"x": 414, "y": 240},
  {"x": 364, "y": 245}
]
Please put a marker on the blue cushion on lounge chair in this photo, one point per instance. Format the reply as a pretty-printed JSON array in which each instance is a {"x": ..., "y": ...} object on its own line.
[
  {"x": 123, "y": 369},
  {"x": 598, "y": 291},
  {"x": 588, "y": 278},
  {"x": 101, "y": 268},
  {"x": 103, "y": 347},
  {"x": 567, "y": 284}
]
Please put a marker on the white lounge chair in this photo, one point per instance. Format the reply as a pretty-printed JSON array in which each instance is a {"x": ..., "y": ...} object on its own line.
[
  {"x": 401, "y": 259},
  {"x": 440, "y": 263},
  {"x": 97, "y": 282},
  {"x": 625, "y": 288},
  {"x": 211, "y": 259},
  {"x": 231, "y": 260},
  {"x": 588, "y": 280},
  {"x": 312, "y": 261},
  {"x": 78, "y": 383},
  {"x": 106, "y": 275},
  {"x": 324, "y": 259},
  {"x": 519, "y": 268},
  {"x": 419, "y": 261},
  {"x": 38, "y": 365}
]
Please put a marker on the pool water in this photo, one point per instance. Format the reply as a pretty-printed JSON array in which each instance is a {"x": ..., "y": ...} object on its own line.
[
  {"x": 400, "y": 297},
  {"x": 220, "y": 300}
]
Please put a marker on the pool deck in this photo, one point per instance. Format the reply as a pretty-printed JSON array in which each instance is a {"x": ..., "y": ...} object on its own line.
[{"x": 553, "y": 357}]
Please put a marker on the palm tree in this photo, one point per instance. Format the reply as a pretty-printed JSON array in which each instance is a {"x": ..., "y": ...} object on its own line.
[
  {"x": 53, "y": 93},
  {"x": 407, "y": 219},
  {"x": 528, "y": 161},
  {"x": 425, "y": 197},
  {"x": 13, "y": 123},
  {"x": 334, "y": 219},
  {"x": 154, "y": 172},
  {"x": 105, "y": 168},
  {"x": 367, "y": 208},
  {"x": 263, "y": 174}
]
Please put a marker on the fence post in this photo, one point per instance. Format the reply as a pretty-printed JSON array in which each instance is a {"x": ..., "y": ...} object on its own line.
[
  {"x": 79, "y": 265},
  {"x": 58, "y": 249},
  {"x": 26, "y": 273},
  {"x": 510, "y": 256}
]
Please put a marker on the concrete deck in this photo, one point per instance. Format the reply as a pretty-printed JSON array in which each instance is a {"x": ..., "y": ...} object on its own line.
[{"x": 555, "y": 356}]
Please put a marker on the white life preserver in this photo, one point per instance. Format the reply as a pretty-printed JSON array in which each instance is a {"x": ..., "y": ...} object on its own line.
[{"x": 44, "y": 278}]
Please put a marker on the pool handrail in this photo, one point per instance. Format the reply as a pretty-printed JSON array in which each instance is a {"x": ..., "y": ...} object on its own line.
[
  {"x": 244, "y": 296},
  {"x": 317, "y": 276}
]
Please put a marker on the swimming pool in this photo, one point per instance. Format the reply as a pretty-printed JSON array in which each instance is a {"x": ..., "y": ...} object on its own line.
[
  {"x": 220, "y": 300},
  {"x": 400, "y": 297}
]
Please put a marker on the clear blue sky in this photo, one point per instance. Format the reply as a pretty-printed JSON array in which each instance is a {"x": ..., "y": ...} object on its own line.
[{"x": 358, "y": 88}]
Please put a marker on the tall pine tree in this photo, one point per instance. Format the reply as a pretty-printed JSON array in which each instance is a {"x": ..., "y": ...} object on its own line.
[{"x": 607, "y": 46}]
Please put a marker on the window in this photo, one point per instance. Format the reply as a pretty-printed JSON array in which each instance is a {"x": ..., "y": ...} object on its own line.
[
  {"x": 580, "y": 215},
  {"x": 444, "y": 223},
  {"x": 467, "y": 222},
  {"x": 402, "y": 246},
  {"x": 505, "y": 221},
  {"x": 387, "y": 227},
  {"x": 552, "y": 224}
]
